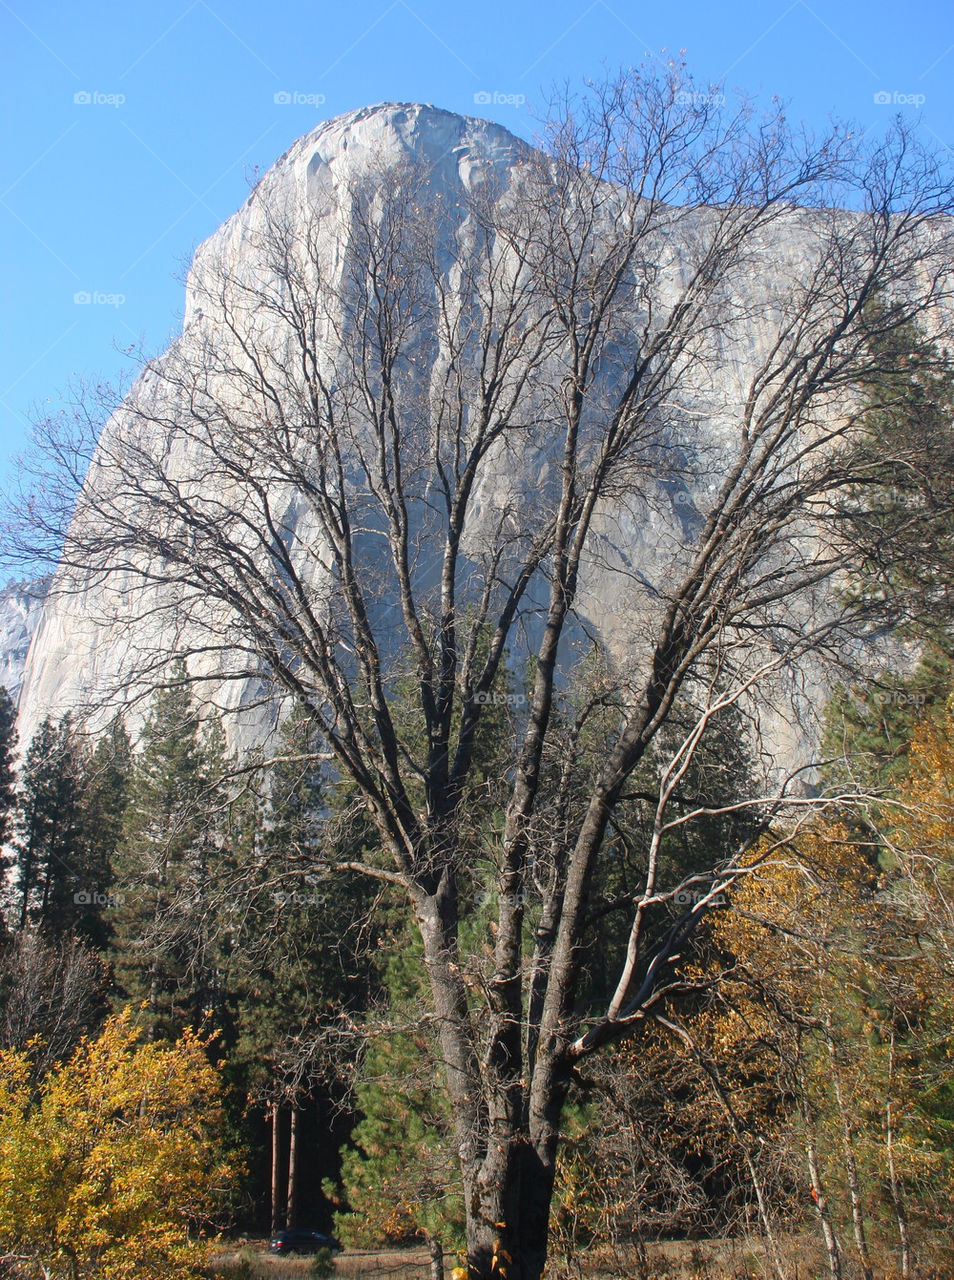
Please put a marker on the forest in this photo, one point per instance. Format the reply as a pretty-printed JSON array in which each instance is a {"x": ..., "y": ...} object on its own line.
[{"x": 796, "y": 1091}]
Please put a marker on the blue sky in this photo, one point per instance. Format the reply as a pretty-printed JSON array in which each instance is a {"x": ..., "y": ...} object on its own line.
[{"x": 131, "y": 130}]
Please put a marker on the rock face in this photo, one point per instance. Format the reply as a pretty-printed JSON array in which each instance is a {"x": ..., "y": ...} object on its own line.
[
  {"x": 79, "y": 655},
  {"x": 20, "y": 608},
  {"x": 81, "y": 650}
]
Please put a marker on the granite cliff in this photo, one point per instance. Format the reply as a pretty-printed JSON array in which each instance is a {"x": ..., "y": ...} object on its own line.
[{"x": 85, "y": 646}]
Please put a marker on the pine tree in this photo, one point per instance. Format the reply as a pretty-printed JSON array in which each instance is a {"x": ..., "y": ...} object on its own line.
[
  {"x": 868, "y": 729},
  {"x": 103, "y": 797},
  {"x": 166, "y": 926},
  {"x": 295, "y": 962},
  {"x": 901, "y": 513},
  {"x": 8, "y": 796},
  {"x": 49, "y": 848},
  {"x": 398, "y": 1170},
  {"x": 8, "y": 746}
]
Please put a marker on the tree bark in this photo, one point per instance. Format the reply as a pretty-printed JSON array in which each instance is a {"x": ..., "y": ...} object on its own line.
[
  {"x": 276, "y": 1222},
  {"x": 821, "y": 1205},
  {"x": 436, "y": 1251},
  {"x": 507, "y": 1235},
  {"x": 851, "y": 1166},
  {"x": 291, "y": 1201},
  {"x": 897, "y": 1199}
]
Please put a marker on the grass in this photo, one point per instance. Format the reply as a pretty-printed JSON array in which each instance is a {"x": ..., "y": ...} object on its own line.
[
  {"x": 704, "y": 1260},
  {"x": 713, "y": 1259},
  {"x": 254, "y": 1262}
]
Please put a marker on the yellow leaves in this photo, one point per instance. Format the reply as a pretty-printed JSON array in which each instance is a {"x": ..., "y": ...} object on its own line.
[
  {"x": 495, "y": 1262},
  {"x": 929, "y": 792},
  {"x": 112, "y": 1159}
]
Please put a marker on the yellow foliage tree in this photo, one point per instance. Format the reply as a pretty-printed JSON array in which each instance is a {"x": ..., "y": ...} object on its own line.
[
  {"x": 112, "y": 1164},
  {"x": 830, "y": 976}
]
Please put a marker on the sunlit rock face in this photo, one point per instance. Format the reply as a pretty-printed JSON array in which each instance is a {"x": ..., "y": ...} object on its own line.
[{"x": 87, "y": 649}]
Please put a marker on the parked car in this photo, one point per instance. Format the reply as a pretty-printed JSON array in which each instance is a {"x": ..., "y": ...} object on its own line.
[{"x": 302, "y": 1240}]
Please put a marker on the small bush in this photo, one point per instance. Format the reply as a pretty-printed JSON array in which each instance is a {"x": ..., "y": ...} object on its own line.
[{"x": 322, "y": 1264}]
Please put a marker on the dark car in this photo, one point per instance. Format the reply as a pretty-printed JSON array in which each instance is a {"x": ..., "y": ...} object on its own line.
[{"x": 301, "y": 1240}]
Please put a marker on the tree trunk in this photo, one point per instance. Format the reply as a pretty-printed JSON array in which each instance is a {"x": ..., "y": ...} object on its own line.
[
  {"x": 508, "y": 1221},
  {"x": 821, "y": 1207},
  {"x": 28, "y": 869},
  {"x": 436, "y": 1250},
  {"x": 291, "y": 1202},
  {"x": 897, "y": 1199},
  {"x": 276, "y": 1168},
  {"x": 851, "y": 1167}
]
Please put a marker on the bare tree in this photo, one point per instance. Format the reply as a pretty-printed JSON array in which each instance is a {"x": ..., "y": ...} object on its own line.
[
  {"x": 411, "y": 437},
  {"x": 51, "y": 994}
]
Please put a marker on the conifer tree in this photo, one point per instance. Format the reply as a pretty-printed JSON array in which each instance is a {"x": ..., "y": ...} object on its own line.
[
  {"x": 8, "y": 799},
  {"x": 397, "y": 1171},
  {"x": 8, "y": 745},
  {"x": 50, "y": 870},
  {"x": 900, "y": 512},
  {"x": 166, "y": 931},
  {"x": 103, "y": 796},
  {"x": 295, "y": 961}
]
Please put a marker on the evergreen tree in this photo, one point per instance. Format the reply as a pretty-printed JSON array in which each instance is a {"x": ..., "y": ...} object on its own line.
[
  {"x": 167, "y": 866},
  {"x": 295, "y": 962},
  {"x": 8, "y": 796},
  {"x": 397, "y": 1172},
  {"x": 8, "y": 746},
  {"x": 901, "y": 510},
  {"x": 103, "y": 795},
  {"x": 49, "y": 848},
  {"x": 869, "y": 728}
]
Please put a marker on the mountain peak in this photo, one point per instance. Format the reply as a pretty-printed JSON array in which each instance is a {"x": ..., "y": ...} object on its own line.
[
  {"x": 326, "y": 161},
  {"x": 387, "y": 130}
]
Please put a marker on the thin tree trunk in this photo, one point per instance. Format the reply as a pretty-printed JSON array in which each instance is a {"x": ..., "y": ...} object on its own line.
[
  {"x": 291, "y": 1202},
  {"x": 821, "y": 1204},
  {"x": 897, "y": 1199},
  {"x": 436, "y": 1250},
  {"x": 851, "y": 1167},
  {"x": 29, "y": 864},
  {"x": 818, "y": 1190},
  {"x": 276, "y": 1168},
  {"x": 154, "y": 962}
]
